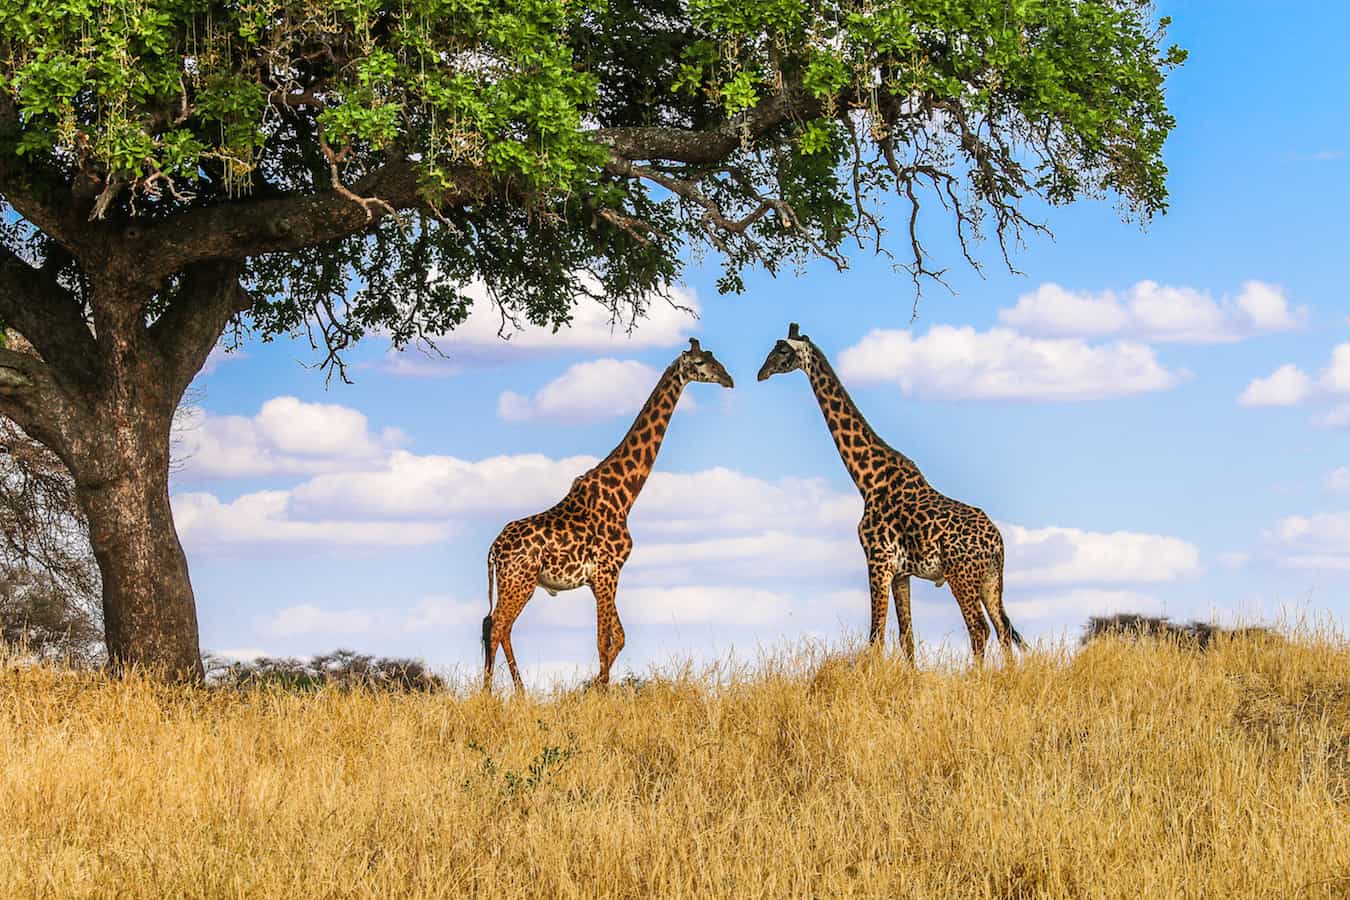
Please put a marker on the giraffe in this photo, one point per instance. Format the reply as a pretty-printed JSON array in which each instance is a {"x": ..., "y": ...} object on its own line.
[
  {"x": 584, "y": 538},
  {"x": 907, "y": 527}
]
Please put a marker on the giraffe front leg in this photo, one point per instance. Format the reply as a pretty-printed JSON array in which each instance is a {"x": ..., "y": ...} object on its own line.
[
  {"x": 879, "y": 576},
  {"x": 608, "y": 631},
  {"x": 900, "y": 590}
]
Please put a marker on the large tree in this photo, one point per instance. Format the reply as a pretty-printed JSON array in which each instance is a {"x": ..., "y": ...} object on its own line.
[{"x": 172, "y": 168}]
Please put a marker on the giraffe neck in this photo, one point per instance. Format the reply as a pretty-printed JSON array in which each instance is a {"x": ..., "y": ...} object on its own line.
[
  {"x": 629, "y": 464},
  {"x": 861, "y": 449}
]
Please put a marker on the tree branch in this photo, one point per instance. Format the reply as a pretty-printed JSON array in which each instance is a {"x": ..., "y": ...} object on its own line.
[
  {"x": 32, "y": 398},
  {"x": 34, "y": 304},
  {"x": 238, "y": 229},
  {"x": 208, "y": 296},
  {"x": 711, "y": 146}
]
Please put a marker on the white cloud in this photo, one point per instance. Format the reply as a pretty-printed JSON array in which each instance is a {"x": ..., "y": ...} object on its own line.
[
  {"x": 262, "y": 519},
  {"x": 1055, "y": 555},
  {"x": 719, "y": 523},
  {"x": 587, "y": 392},
  {"x": 1286, "y": 386},
  {"x": 1003, "y": 365},
  {"x": 1150, "y": 311},
  {"x": 287, "y": 436},
  {"x": 1319, "y": 541},
  {"x": 409, "y": 486},
  {"x": 723, "y": 501},
  {"x": 1080, "y": 603},
  {"x": 768, "y": 554},
  {"x": 1336, "y": 376},
  {"x": 1336, "y": 417},
  {"x": 479, "y": 340},
  {"x": 1290, "y": 386},
  {"x": 1338, "y": 480}
]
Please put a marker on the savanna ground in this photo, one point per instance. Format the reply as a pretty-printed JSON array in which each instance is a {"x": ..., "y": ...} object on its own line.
[{"x": 1118, "y": 770}]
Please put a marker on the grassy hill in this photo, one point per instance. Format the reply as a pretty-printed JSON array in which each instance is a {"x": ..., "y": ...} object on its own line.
[{"x": 1123, "y": 769}]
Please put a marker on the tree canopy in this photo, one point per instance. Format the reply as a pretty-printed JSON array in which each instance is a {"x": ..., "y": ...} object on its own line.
[
  {"x": 555, "y": 148},
  {"x": 329, "y": 167}
]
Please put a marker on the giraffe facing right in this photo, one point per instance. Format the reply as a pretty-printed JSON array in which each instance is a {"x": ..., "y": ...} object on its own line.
[{"x": 907, "y": 527}]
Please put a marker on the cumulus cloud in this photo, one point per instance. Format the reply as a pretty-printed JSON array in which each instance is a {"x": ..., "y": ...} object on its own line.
[
  {"x": 409, "y": 486},
  {"x": 768, "y": 554},
  {"x": 1149, "y": 311},
  {"x": 718, "y": 523},
  {"x": 1003, "y": 365},
  {"x": 1319, "y": 541},
  {"x": 1286, "y": 386},
  {"x": 287, "y": 436},
  {"x": 482, "y": 340},
  {"x": 264, "y": 519},
  {"x": 1291, "y": 386},
  {"x": 587, "y": 392},
  {"x": 1336, "y": 376},
  {"x": 721, "y": 501},
  {"x": 1056, "y": 555},
  {"x": 1338, "y": 480}
]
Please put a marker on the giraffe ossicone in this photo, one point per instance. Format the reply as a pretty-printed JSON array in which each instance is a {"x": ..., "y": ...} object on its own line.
[
  {"x": 584, "y": 539},
  {"x": 907, "y": 529}
]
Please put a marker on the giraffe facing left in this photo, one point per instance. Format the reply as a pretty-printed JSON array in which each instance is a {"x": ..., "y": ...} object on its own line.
[{"x": 584, "y": 539}]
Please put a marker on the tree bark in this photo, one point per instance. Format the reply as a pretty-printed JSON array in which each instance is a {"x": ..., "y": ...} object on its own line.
[{"x": 149, "y": 611}]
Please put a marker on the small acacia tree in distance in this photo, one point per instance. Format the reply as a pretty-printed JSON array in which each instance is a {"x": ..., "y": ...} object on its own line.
[{"x": 169, "y": 166}]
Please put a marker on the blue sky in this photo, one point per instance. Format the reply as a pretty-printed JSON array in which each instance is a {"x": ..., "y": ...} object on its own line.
[{"x": 1159, "y": 420}]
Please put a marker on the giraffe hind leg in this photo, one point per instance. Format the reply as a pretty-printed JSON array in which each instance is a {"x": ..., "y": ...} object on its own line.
[
  {"x": 513, "y": 592},
  {"x": 991, "y": 595},
  {"x": 967, "y": 593}
]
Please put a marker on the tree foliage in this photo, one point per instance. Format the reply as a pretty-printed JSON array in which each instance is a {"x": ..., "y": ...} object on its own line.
[{"x": 553, "y": 149}]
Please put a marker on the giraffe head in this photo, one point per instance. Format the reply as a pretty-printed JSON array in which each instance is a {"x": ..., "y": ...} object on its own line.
[
  {"x": 786, "y": 355},
  {"x": 697, "y": 364}
]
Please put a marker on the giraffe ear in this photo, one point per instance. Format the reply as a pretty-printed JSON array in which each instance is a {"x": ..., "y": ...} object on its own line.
[
  {"x": 792, "y": 332},
  {"x": 693, "y": 345}
]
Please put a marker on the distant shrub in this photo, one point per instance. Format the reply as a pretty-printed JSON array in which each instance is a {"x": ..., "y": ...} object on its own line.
[
  {"x": 1197, "y": 634},
  {"x": 342, "y": 669}
]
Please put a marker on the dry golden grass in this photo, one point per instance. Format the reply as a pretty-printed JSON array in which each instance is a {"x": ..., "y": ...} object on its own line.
[{"x": 1117, "y": 771}]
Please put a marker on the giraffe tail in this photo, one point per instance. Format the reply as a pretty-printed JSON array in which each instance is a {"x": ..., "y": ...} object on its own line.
[
  {"x": 1003, "y": 613},
  {"x": 487, "y": 620}
]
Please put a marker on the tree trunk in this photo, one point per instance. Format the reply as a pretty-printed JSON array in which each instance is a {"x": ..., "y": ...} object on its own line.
[{"x": 149, "y": 612}]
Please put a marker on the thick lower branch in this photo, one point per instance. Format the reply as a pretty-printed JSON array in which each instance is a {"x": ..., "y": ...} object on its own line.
[
  {"x": 34, "y": 304},
  {"x": 238, "y": 229}
]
